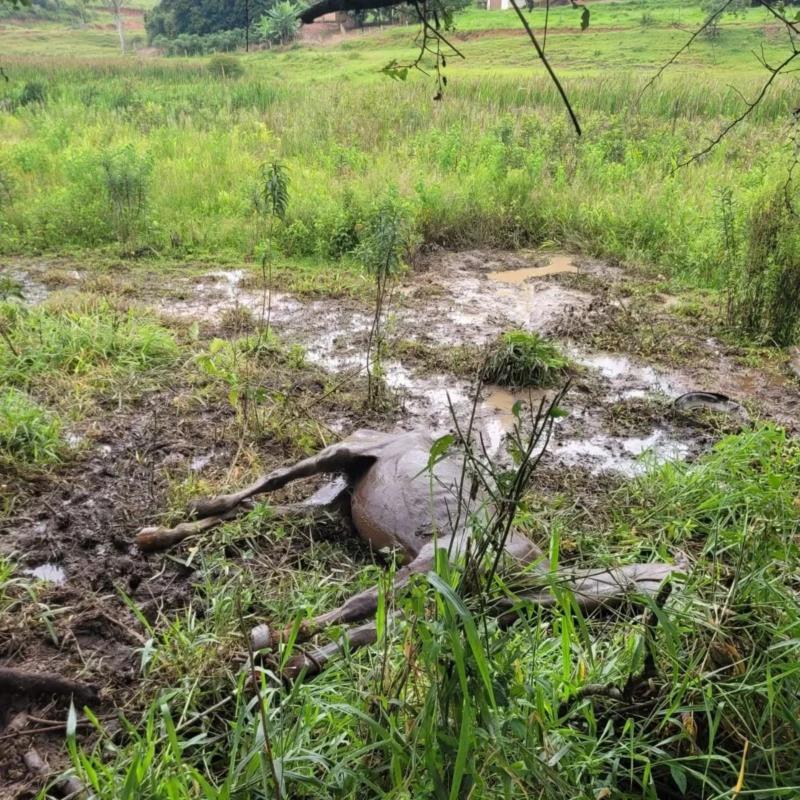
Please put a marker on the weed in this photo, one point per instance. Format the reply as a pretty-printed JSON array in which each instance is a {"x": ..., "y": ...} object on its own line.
[
  {"x": 764, "y": 294},
  {"x": 225, "y": 66},
  {"x": 380, "y": 251},
  {"x": 29, "y": 435},
  {"x": 522, "y": 359},
  {"x": 126, "y": 178}
]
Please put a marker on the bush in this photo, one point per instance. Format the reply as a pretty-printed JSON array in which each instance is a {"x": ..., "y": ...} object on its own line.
[
  {"x": 32, "y": 93},
  {"x": 29, "y": 435},
  {"x": 225, "y": 66},
  {"x": 126, "y": 177},
  {"x": 524, "y": 359},
  {"x": 764, "y": 288}
]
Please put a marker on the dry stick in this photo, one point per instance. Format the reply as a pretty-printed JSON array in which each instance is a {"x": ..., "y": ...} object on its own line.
[{"x": 550, "y": 72}]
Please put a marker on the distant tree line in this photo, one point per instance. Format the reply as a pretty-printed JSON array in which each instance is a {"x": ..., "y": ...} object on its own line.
[{"x": 171, "y": 18}]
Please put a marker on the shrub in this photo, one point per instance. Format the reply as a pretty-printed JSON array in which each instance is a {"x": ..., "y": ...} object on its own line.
[
  {"x": 225, "y": 66},
  {"x": 764, "y": 287},
  {"x": 32, "y": 93},
  {"x": 126, "y": 178},
  {"x": 523, "y": 359},
  {"x": 29, "y": 435}
]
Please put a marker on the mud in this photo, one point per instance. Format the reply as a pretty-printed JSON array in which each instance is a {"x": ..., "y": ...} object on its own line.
[
  {"x": 455, "y": 299},
  {"x": 71, "y": 533}
]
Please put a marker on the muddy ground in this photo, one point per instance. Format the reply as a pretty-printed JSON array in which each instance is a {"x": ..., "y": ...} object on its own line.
[{"x": 634, "y": 349}]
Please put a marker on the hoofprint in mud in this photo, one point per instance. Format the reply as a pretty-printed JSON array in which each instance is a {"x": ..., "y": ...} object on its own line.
[{"x": 469, "y": 299}]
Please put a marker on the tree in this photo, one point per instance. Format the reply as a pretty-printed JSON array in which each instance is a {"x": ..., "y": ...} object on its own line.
[
  {"x": 280, "y": 24},
  {"x": 170, "y": 18},
  {"x": 115, "y": 7}
]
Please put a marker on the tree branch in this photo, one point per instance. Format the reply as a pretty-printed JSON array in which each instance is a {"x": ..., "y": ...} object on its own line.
[
  {"x": 318, "y": 10},
  {"x": 751, "y": 106}
]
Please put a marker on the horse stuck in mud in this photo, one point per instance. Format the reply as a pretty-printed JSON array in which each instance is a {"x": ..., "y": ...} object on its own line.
[{"x": 415, "y": 495}]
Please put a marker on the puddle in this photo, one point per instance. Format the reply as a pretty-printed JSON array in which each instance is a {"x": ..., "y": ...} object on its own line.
[
  {"x": 558, "y": 265},
  {"x": 629, "y": 456},
  {"x": 469, "y": 299},
  {"x": 32, "y": 290},
  {"x": 51, "y": 573}
]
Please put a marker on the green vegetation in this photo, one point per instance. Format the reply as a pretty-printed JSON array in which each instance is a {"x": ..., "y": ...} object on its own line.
[
  {"x": 29, "y": 435},
  {"x": 307, "y": 161},
  {"x": 82, "y": 338},
  {"x": 521, "y": 359},
  {"x": 495, "y": 164},
  {"x": 396, "y": 719}
]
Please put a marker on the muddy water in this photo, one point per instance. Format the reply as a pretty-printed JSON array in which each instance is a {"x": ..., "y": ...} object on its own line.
[
  {"x": 470, "y": 298},
  {"x": 558, "y": 265}
]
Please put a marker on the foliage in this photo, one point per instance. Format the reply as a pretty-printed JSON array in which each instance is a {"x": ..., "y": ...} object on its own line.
[
  {"x": 764, "y": 288},
  {"x": 82, "y": 336},
  {"x": 171, "y": 18},
  {"x": 521, "y": 359},
  {"x": 189, "y": 44},
  {"x": 224, "y": 66},
  {"x": 383, "y": 242},
  {"x": 126, "y": 178},
  {"x": 280, "y": 24},
  {"x": 29, "y": 435}
]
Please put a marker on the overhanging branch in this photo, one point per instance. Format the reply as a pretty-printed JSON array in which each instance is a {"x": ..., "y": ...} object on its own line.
[{"x": 330, "y": 6}]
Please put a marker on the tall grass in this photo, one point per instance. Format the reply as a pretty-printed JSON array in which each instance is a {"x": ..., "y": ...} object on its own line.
[
  {"x": 449, "y": 705},
  {"x": 494, "y": 165}
]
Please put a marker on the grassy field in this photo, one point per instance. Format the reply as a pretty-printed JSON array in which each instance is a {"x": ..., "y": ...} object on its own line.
[{"x": 126, "y": 178}]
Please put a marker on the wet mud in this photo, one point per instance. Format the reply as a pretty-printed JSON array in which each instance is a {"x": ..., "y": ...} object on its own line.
[
  {"x": 457, "y": 299},
  {"x": 73, "y": 533}
]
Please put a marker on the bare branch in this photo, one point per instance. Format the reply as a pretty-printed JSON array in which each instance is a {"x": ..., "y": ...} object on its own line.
[
  {"x": 550, "y": 72},
  {"x": 751, "y": 106},
  {"x": 318, "y": 10},
  {"x": 675, "y": 56}
]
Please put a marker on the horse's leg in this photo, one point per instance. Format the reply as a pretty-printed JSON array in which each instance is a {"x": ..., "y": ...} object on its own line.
[
  {"x": 314, "y": 660},
  {"x": 324, "y": 501},
  {"x": 598, "y": 588},
  {"x": 354, "y": 609},
  {"x": 342, "y": 457}
]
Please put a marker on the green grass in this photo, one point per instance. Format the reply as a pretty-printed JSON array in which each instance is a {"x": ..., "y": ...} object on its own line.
[
  {"x": 521, "y": 359},
  {"x": 494, "y": 164},
  {"x": 80, "y": 346},
  {"x": 30, "y": 436}
]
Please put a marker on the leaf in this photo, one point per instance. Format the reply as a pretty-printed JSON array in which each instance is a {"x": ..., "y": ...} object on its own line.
[
  {"x": 439, "y": 448},
  {"x": 557, "y": 411},
  {"x": 679, "y": 778}
]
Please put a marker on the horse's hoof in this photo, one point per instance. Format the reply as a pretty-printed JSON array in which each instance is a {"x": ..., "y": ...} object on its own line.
[{"x": 261, "y": 637}]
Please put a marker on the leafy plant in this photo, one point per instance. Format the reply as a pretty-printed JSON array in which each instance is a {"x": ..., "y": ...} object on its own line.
[
  {"x": 384, "y": 240},
  {"x": 225, "y": 66},
  {"x": 764, "y": 283},
  {"x": 521, "y": 359},
  {"x": 126, "y": 177},
  {"x": 279, "y": 24}
]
